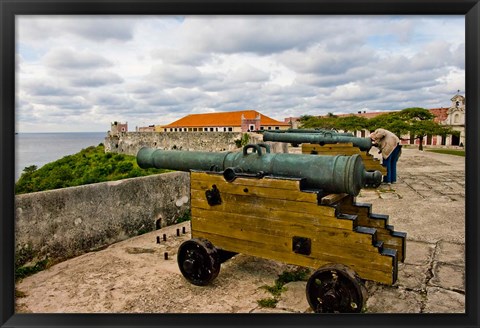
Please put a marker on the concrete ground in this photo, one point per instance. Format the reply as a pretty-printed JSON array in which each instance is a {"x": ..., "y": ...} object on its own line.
[{"x": 133, "y": 276}]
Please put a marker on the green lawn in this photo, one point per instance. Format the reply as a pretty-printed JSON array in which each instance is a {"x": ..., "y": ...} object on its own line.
[{"x": 448, "y": 151}]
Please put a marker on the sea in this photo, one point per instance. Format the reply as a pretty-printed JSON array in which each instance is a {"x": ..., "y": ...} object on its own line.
[{"x": 42, "y": 148}]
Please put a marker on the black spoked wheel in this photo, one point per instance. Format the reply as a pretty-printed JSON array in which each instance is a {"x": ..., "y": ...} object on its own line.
[
  {"x": 198, "y": 261},
  {"x": 336, "y": 289}
]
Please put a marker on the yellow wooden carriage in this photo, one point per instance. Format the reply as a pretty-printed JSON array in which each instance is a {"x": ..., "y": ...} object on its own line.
[{"x": 275, "y": 218}]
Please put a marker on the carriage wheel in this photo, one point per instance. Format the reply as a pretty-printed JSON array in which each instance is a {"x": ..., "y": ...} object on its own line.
[
  {"x": 198, "y": 261},
  {"x": 336, "y": 289}
]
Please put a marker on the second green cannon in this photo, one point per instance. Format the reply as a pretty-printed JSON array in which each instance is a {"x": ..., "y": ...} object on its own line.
[
  {"x": 318, "y": 138},
  {"x": 328, "y": 174}
]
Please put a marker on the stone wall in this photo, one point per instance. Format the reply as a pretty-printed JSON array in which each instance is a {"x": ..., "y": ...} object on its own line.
[
  {"x": 63, "y": 223},
  {"x": 130, "y": 142}
]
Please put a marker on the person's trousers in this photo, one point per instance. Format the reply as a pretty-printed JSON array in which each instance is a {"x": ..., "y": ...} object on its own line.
[{"x": 390, "y": 164}]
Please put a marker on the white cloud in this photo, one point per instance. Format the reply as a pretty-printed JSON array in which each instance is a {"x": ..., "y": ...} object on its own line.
[{"x": 79, "y": 73}]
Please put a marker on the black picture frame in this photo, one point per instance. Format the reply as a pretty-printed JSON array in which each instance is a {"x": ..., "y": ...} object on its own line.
[{"x": 10, "y": 8}]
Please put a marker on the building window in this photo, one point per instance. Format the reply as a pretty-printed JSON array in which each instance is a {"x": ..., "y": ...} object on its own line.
[
  {"x": 277, "y": 128},
  {"x": 230, "y": 129},
  {"x": 211, "y": 129},
  {"x": 269, "y": 127},
  {"x": 262, "y": 128},
  {"x": 216, "y": 129}
]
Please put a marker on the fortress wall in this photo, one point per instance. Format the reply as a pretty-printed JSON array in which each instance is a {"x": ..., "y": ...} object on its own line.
[
  {"x": 67, "y": 222},
  {"x": 130, "y": 142}
]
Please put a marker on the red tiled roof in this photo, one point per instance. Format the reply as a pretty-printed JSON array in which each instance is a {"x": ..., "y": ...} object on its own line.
[
  {"x": 440, "y": 114},
  {"x": 223, "y": 119}
]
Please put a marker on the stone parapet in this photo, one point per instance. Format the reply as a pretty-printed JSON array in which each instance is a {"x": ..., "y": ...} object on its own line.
[{"x": 59, "y": 224}]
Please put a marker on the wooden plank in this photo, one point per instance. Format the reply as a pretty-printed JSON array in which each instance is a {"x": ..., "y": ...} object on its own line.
[
  {"x": 367, "y": 219},
  {"x": 332, "y": 152},
  {"x": 297, "y": 211},
  {"x": 216, "y": 221},
  {"x": 267, "y": 182},
  {"x": 278, "y": 234},
  {"x": 237, "y": 188},
  {"x": 332, "y": 199},
  {"x": 275, "y": 213},
  {"x": 258, "y": 249},
  {"x": 333, "y": 145},
  {"x": 273, "y": 203}
]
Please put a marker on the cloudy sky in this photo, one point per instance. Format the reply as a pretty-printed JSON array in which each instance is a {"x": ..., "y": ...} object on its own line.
[{"x": 80, "y": 73}]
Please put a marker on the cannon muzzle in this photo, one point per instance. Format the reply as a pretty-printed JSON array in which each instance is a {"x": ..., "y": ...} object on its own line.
[
  {"x": 318, "y": 138},
  {"x": 328, "y": 174}
]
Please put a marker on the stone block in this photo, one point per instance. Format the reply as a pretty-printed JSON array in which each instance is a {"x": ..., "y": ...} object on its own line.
[
  {"x": 448, "y": 276},
  {"x": 294, "y": 299},
  {"x": 412, "y": 276},
  {"x": 386, "y": 299},
  {"x": 450, "y": 253},
  {"x": 440, "y": 300},
  {"x": 419, "y": 253}
]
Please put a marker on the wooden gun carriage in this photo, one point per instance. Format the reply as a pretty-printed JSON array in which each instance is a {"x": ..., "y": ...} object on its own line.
[{"x": 288, "y": 218}]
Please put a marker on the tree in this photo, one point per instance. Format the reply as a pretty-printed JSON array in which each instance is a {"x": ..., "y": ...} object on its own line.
[
  {"x": 352, "y": 123},
  {"x": 390, "y": 122},
  {"x": 30, "y": 169},
  {"x": 422, "y": 128},
  {"x": 322, "y": 122},
  {"x": 420, "y": 123}
]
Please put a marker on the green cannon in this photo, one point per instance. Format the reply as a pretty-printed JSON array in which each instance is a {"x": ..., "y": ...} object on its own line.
[
  {"x": 364, "y": 144},
  {"x": 322, "y": 131},
  {"x": 327, "y": 174}
]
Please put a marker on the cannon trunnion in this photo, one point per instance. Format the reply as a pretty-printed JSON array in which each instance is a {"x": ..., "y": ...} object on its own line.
[{"x": 284, "y": 219}]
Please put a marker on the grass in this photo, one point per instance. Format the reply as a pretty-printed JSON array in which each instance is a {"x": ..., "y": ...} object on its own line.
[
  {"x": 301, "y": 274},
  {"x": 25, "y": 271},
  {"x": 268, "y": 302},
  {"x": 448, "y": 151}
]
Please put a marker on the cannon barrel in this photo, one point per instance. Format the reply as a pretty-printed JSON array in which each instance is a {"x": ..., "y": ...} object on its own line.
[
  {"x": 330, "y": 174},
  {"x": 322, "y": 131},
  {"x": 318, "y": 138}
]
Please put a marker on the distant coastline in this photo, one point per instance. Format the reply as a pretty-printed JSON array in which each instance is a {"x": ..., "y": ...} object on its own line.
[{"x": 40, "y": 148}]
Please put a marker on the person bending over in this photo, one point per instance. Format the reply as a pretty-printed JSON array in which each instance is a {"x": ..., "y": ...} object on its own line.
[{"x": 389, "y": 145}]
